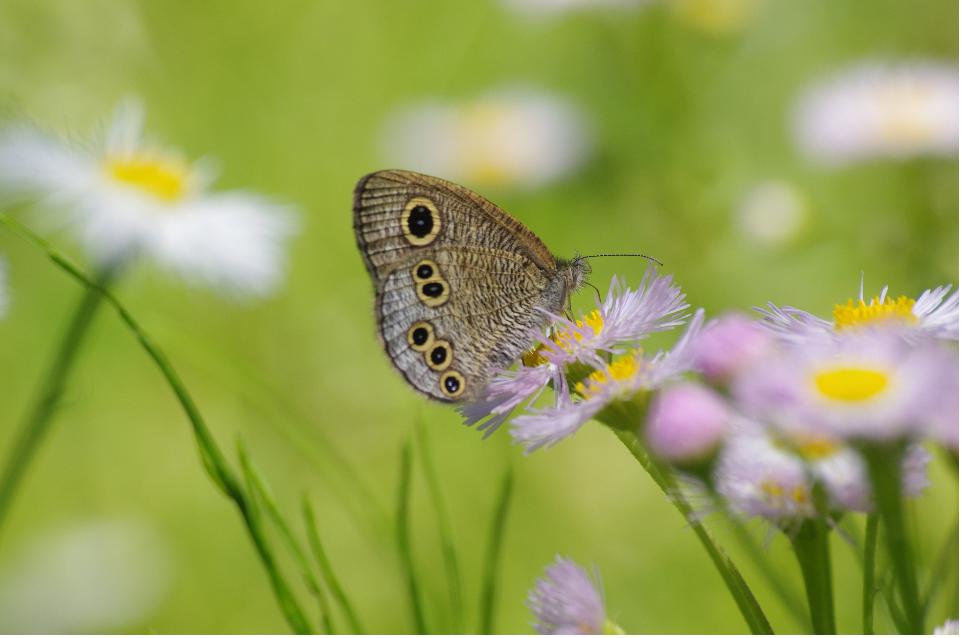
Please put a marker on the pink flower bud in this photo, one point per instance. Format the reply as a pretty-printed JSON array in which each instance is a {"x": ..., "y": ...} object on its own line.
[
  {"x": 686, "y": 423},
  {"x": 729, "y": 345}
]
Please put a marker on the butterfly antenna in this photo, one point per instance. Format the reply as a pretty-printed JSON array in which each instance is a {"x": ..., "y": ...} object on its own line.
[
  {"x": 652, "y": 259},
  {"x": 597, "y": 292}
]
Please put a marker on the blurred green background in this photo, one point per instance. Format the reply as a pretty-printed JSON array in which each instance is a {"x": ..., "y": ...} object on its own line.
[{"x": 291, "y": 98}]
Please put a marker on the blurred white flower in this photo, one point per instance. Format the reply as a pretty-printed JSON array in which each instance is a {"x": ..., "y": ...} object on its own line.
[
  {"x": 881, "y": 110},
  {"x": 515, "y": 137},
  {"x": 771, "y": 213},
  {"x": 552, "y": 7},
  {"x": 124, "y": 197},
  {"x": 98, "y": 576},
  {"x": 716, "y": 16},
  {"x": 948, "y": 628}
]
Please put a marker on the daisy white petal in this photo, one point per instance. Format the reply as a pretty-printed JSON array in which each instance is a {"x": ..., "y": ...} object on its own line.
[
  {"x": 125, "y": 197},
  {"x": 948, "y": 628}
]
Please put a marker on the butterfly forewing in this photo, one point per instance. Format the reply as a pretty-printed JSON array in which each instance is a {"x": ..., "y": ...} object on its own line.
[{"x": 458, "y": 280}]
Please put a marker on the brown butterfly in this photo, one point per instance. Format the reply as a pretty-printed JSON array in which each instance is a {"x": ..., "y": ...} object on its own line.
[{"x": 460, "y": 284}]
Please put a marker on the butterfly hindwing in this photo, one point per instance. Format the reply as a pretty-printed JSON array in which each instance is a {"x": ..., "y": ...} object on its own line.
[{"x": 457, "y": 288}]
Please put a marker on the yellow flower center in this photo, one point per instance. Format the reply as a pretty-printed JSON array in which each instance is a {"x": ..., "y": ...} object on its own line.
[
  {"x": 534, "y": 358},
  {"x": 621, "y": 369},
  {"x": 776, "y": 492},
  {"x": 567, "y": 338},
  {"x": 815, "y": 448},
  {"x": 905, "y": 114},
  {"x": 857, "y": 314},
  {"x": 851, "y": 385},
  {"x": 165, "y": 178}
]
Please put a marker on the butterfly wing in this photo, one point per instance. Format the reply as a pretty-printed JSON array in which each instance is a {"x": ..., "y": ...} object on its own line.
[{"x": 458, "y": 280}]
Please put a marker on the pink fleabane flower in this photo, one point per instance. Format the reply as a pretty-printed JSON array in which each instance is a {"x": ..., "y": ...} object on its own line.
[
  {"x": 934, "y": 314},
  {"x": 729, "y": 345},
  {"x": 686, "y": 423},
  {"x": 567, "y": 601},
  {"x": 621, "y": 380},
  {"x": 624, "y": 316}
]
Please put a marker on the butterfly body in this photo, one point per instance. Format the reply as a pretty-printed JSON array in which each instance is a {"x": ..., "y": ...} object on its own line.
[{"x": 461, "y": 286}]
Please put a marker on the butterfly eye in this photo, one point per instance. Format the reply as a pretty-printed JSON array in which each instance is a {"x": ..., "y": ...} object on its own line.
[
  {"x": 421, "y": 336},
  {"x": 420, "y": 221},
  {"x": 425, "y": 269},
  {"x": 439, "y": 356},
  {"x": 452, "y": 384}
]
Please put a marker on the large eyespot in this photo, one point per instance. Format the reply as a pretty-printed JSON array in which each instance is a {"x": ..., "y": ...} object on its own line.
[
  {"x": 421, "y": 336},
  {"x": 425, "y": 270},
  {"x": 420, "y": 221},
  {"x": 452, "y": 384},
  {"x": 439, "y": 356},
  {"x": 433, "y": 293}
]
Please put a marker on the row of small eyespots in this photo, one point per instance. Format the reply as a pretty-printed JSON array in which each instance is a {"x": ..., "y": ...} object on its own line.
[{"x": 438, "y": 354}]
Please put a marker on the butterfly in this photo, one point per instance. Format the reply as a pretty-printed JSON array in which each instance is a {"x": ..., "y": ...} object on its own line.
[{"x": 461, "y": 286}]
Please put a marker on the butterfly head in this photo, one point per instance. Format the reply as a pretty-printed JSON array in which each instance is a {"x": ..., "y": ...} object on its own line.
[{"x": 574, "y": 274}]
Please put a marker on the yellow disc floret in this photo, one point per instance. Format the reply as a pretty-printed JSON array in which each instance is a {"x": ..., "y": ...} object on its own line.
[
  {"x": 566, "y": 338},
  {"x": 851, "y": 385},
  {"x": 165, "y": 178},
  {"x": 621, "y": 369},
  {"x": 859, "y": 313}
]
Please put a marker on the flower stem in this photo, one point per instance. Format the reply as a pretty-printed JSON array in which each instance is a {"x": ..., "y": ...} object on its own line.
[
  {"x": 38, "y": 420},
  {"x": 744, "y": 598},
  {"x": 884, "y": 466},
  {"x": 868, "y": 575},
  {"x": 811, "y": 547}
]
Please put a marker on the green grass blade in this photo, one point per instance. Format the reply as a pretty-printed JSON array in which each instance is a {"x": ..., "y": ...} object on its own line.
[
  {"x": 212, "y": 458},
  {"x": 327, "y": 572},
  {"x": 869, "y": 587},
  {"x": 403, "y": 532},
  {"x": 489, "y": 586},
  {"x": 261, "y": 495},
  {"x": 445, "y": 533}
]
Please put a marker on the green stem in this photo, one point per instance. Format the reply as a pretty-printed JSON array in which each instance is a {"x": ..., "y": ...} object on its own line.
[
  {"x": 789, "y": 598},
  {"x": 810, "y": 543},
  {"x": 489, "y": 587},
  {"x": 212, "y": 458},
  {"x": 448, "y": 550},
  {"x": 869, "y": 589},
  {"x": 946, "y": 566},
  {"x": 38, "y": 420},
  {"x": 744, "y": 598},
  {"x": 884, "y": 466},
  {"x": 327, "y": 571},
  {"x": 404, "y": 540}
]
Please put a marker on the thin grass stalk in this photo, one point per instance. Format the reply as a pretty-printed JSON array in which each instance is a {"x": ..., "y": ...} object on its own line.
[
  {"x": 212, "y": 458},
  {"x": 740, "y": 591},
  {"x": 327, "y": 572},
  {"x": 489, "y": 584},
  {"x": 36, "y": 424},
  {"x": 945, "y": 565},
  {"x": 446, "y": 535},
  {"x": 261, "y": 495},
  {"x": 403, "y": 532},
  {"x": 869, "y": 587}
]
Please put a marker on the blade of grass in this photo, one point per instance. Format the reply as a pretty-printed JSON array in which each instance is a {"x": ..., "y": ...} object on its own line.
[
  {"x": 327, "y": 572},
  {"x": 489, "y": 585},
  {"x": 404, "y": 540},
  {"x": 212, "y": 458},
  {"x": 261, "y": 495},
  {"x": 944, "y": 566},
  {"x": 448, "y": 550},
  {"x": 36, "y": 424},
  {"x": 869, "y": 587}
]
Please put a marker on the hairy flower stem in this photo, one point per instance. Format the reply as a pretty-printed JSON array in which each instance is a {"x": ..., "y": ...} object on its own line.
[
  {"x": 38, "y": 420},
  {"x": 868, "y": 575},
  {"x": 744, "y": 598},
  {"x": 884, "y": 467},
  {"x": 811, "y": 547}
]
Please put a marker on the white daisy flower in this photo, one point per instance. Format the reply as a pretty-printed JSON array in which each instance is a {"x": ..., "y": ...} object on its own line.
[
  {"x": 125, "y": 197},
  {"x": 771, "y": 213},
  {"x": 533, "y": 8},
  {"x": 948, "y": 628},
  {"x": 96, "y": 576},
  {"x": 876, "y": 110},
  {"x": 513, "y": 137},
  {"x": 567, "y": 601}
]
